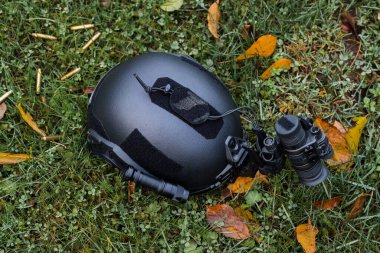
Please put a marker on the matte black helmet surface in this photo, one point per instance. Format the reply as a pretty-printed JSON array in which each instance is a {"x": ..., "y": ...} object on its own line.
[{"x": 161, "y": 119}]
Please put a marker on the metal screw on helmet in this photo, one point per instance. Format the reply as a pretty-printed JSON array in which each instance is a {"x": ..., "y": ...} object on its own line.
[{"x": 305, "y": 145}]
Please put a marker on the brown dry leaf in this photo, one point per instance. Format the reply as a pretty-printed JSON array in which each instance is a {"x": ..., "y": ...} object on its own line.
[
  {"x": 279, "y": 64},
  {"x": 213, "y": 17},
  {"x": 328, "y": 204},
  {"x": 3, "y": 109},
  {"x": 342, "y": 154},
  {"x": 263, "y": 46},
  {"x": 7, "y": 158},
  {"x": 306, "y": 234},
  {"x": 340, "y": 127},
  {"x": 358, "y": 205},
  {"x": 246, "y": 32},
  {"x": 224, "y": 219},
  {"x": 29, "y": 120},
  {"x": 131, "y": 190}
]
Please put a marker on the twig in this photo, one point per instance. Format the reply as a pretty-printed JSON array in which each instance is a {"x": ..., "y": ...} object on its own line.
[
  {"x": 70, "y": 74},
  {"x": 79, "y": 27},
  {"x": 38, "y": 82},
  {"x": 51, "y": 137},
  {"x": 6, "y": 94},
  {"x": 95, "y": 37},
  {"x": 44, "y": 36}
]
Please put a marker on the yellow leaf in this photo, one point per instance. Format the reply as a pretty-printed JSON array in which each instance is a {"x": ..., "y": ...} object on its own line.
[
  {"x": 279, "y": 64},
  {"x": 263, "y": 46},
  {"x": 353, "y": 135},
  {"x": 213, "y": 17},
  {"x": 224, "y": 219},
  {"x": 7, "y": 158},
  {"x": 29, "y": 120},
  {"x": 306, "y": 237}
]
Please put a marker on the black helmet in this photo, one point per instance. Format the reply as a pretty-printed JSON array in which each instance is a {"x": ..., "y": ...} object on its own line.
[{"x": 167, "y": 123}]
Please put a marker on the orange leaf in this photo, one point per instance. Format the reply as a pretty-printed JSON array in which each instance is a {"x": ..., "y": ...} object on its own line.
[
  {"x": 328, "y": 204},
  {"x": 263, "y": 46},
  {"x": 279, "y": 64},
  {"x": 224, "y": 219},
  {"x": 213, "y": 17},
  {"x": 358, "y": 205},
  {"x": 241, "y": 185},
  {"x": 7, "y": 158},
  {"x": 306, "y": 237},
  {"x": 342, "y": 154},
  {"x": 29, "y": 120}
]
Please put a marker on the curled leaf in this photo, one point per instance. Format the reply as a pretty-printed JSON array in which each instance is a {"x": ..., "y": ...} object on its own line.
[
  {"x": 224, "y": 219},
  {"x": 279, "y": 64},
  {"x": 328, "y": 204},
  {"x": 306, "y": 234},
  {"x": 213, "y": 17},
  {"x": 29, "y": 120},
  {"x": 7, "y": 158},
  {"x": 263, "y": 46},
  {"x": 172, "y": 5},
  {"x": 358, "y": 205}
]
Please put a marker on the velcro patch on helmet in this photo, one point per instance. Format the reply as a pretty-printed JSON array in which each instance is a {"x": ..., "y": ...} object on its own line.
[{"x": 189, "y": 106}]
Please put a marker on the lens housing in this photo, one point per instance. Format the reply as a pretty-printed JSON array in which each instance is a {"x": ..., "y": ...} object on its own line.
[{"x": 305, "y": 145}]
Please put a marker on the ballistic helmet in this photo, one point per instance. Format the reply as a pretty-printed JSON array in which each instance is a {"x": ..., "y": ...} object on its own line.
[{"x": 167, "y": 123}]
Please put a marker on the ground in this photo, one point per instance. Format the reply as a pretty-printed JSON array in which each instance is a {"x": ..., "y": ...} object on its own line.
[{"x": 65, "y": 200}]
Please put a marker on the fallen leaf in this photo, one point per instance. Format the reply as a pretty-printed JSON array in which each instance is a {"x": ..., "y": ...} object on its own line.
[
  {"x": 358, "y": 205},
  {"x": 306, "y": 234},
  {"x": 279, "y": 64},
  {"x": 3, "y": 109},
  {"x": 349, "y": 21},
  {"x": 353, "y": 135},
  {"x": 105, "y": 3},
  {"x": 243, "y": 184},
  {"x": 213, "y": 17},
  {"x": 246, "y": 32},
  {"x": 224, "y": 219},
  {"x": 29, "y": 120},
  {"x": 328, "y": 204},
  {"x": 251, "y": 221},
  {"x": 342, "y": 154},
  {"x": 340, "y": 127},
  {"x": 263, "y": 46},
  {"x": 172, "y": 5},
  {"x": 7, "y": 158}
]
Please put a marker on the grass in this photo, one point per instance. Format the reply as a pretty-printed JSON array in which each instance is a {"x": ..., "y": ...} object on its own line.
[{"x": 65, "y": 200}]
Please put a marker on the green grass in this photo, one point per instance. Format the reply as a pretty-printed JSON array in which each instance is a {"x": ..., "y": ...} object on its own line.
[{"x": 65, "y": 200}]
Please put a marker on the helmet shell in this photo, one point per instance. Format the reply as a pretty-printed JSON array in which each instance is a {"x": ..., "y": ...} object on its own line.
[{"x": 158, "y": 141}]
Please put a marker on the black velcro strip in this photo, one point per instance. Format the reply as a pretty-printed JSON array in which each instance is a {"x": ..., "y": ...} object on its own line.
[
  {"x": 208, "y": 129},
  {"x": 149, "y": 157}
]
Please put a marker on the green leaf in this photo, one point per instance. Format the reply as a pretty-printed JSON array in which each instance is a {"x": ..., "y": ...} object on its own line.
[
  {"x": 253, "y": 197},
  {"x": 171, "y": 5}
]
